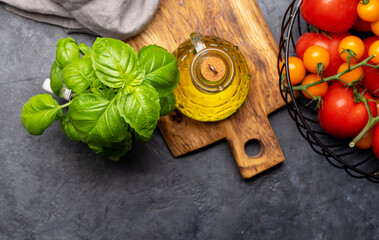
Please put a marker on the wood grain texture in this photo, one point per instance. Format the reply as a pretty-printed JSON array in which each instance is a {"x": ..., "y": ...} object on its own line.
[{"x": 240, "y": 22}]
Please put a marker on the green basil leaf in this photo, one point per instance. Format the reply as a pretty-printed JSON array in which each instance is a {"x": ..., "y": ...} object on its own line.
[
  {"x": 104, "y": 91},
  {"x": 84, "y": 49},
  {"x": 63, "y": 122},
  {"x": 113, "y": 60},
  {"x": 39, "y": 112},
  {"x": 56, "y": 81},
  {"x": 140, "y": 138},
  {"x": 78, "y": 75},
  {"x": 96, "y": 148},
  {"x": 136, "y": 78},
  {"x": 161, "y": 68},
  {"x": 97, "y": 119},
  {"x": 71, "y": 132},
  {"x": 116, "y": 150},
  {"x": 167, "y": 104},
  {"x": 140, "y": 108},
  {"x": 66, "y": 51}
]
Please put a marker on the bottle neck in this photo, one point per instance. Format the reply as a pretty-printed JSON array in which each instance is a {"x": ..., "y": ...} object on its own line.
[{"x": 212, "y": 70}]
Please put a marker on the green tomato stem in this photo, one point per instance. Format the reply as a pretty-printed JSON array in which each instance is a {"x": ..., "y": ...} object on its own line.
[
  {"x": 365, "y": 2},
  {"x": 320, "y": 69},
  {"x": 336, "y": 76},
  {"x": 373, "y": 66},
  {"x": 370, "y": 123}
]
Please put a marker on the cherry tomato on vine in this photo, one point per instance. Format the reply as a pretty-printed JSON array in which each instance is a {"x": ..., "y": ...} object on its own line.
[
  {"x": 370, "y": 79},
  {"x": 340, "y": 116},
  {"x": 366, "y": 140},
  {"x": 297, "y": 70},
  {"x": 316, "y": 90},
  {"x": 351, "y": 75},
  {"x": 314, "y": 56},
  {"x": 332, "y": 16},
  {"x": 354, "y": 44},
  {"x": 369, "y": 12},
  {"x": 367, "y": 42},
  {"x": 329, "y": 41},
  {"x": 374, "y": 50},
  {"x": 375, "y": 28}
]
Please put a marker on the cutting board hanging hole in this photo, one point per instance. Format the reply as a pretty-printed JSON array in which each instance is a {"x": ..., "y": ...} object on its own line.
[{"x": 253, "y": 148}]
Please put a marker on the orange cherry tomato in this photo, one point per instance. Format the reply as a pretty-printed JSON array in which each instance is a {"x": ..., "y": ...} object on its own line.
[
  {"x": 297, "y": 70},
  {"x": 374, "y": 50},
  {"x": 316, "y": 90},
  {"x": 369, "y": 12},
  {"x": 315, "y": 55},
  {"x": 366, "y": 140},
  {"x": 375, "y": 28},
  {"x": 354, "y": 44},
  {"x": 352, "y": 75}
]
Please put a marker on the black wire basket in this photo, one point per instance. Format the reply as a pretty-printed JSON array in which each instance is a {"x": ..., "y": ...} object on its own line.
[{"x": 357, "y": 163}]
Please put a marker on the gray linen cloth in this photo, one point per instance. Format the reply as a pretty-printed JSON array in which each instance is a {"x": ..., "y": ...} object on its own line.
[{"x": 119, "y": 19}]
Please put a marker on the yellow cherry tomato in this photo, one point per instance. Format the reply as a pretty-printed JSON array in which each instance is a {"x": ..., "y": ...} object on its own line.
[
  {"x": 315, "y": 55},
  {"x": 297, "y": 70},
  {"x": 375, "y": 28},
  {"x": 369, "y": 12},
  {"x": 316, "y": 90},
  {"x": 354, "y": 44},
  {"x": 374, "y": 50},
  {"x": 352, "y": 75}
]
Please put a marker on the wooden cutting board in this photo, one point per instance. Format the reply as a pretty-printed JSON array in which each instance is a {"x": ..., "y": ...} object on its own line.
[{"x": 242, "y": 23}]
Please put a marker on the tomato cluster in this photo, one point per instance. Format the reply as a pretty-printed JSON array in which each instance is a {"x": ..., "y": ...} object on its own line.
[{"x": 338, "y": 66}]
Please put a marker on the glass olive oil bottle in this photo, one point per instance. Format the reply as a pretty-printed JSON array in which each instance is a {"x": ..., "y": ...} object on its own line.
[{"x": 214, "y": 78}]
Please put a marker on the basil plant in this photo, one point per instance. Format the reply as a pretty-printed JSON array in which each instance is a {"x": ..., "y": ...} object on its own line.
[{"x": 118, "y": 95}]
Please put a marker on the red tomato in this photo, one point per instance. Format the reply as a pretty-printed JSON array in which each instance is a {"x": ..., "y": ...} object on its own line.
[
  {"x": 330, "y": 43},
  {"x": 333, "y": 16},
  {"x": 375, "y": 141},
  {"x": 340, "y": 116},
  {"x": 368, "y": 41},
  {"x": 370, "y": 79},
  {"x": 361, "y": 25}
]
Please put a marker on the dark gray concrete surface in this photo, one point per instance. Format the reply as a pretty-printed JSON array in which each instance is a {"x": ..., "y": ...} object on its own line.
[{"x": 53, "y": 188}]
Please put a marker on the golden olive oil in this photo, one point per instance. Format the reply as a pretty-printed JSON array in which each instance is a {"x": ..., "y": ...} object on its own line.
[{"x": 203, "y": 97}]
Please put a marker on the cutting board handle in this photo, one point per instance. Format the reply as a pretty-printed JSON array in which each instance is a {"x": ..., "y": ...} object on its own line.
[{"x": 269, "y": 155}]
